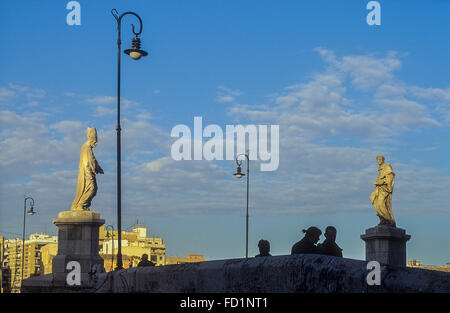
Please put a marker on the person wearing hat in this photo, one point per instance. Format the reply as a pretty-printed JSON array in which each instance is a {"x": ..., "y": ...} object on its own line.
[{"x": 308, "y": 243}]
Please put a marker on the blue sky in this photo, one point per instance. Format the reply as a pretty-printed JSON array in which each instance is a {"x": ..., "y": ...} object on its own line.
[{"x": 342, "y": 92}]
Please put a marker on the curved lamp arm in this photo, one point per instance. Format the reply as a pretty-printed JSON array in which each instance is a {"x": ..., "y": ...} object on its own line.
[
  {"x": 239, "y": 162},
  {"x": 119, "y": 19}
]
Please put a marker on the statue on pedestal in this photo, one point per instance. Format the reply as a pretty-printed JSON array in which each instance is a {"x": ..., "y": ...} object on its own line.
[
  {"x": 381, "y": 197},
  {"x": 88, "y": 169}
]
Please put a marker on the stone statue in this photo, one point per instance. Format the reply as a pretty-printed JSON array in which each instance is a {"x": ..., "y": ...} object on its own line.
[
  {"x": 88, "y": 168},
  {"x": 381, "y": 197}
]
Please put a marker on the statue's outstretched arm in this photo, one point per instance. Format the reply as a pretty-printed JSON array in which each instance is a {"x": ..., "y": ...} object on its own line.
[{"x": 98, "y": 169}]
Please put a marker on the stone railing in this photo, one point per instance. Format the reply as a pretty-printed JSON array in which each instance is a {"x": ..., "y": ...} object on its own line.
[{"x": 276, "y": 274}]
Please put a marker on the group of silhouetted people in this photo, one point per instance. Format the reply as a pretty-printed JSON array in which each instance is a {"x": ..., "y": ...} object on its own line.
[{"x": 308, "y": 244}]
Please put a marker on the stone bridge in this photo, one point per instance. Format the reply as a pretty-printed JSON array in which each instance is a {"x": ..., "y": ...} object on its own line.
[{"x": 307, "y": 273}]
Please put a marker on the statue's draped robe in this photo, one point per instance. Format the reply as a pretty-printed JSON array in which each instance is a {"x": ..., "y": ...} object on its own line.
[
  {"x": 381, "y": 197},
  {"x": 87, "y": 184}
]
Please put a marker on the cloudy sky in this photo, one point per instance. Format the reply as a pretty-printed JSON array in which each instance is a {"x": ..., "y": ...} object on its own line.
[{"x": 340, "y": 90}]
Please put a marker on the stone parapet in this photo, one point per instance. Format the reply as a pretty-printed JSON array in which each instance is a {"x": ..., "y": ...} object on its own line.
[{"x": 303, "y": 273}]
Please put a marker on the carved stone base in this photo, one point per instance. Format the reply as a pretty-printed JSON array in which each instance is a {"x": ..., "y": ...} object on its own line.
[
  {"x": 78, "y": 235},
  {"x": 386, "y": 244}
]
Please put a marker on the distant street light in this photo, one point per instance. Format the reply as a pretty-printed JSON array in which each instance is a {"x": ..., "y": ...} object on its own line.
[
  {"x": 135, "y": 53},
  {"x": 239, "y": 174},
  {"x": 110, "y": 227},
  {"x": 31, "y": 212}
]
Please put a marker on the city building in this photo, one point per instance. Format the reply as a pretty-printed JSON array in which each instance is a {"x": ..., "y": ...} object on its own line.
[
  {"x": 40, "y": 249},
  {"x": 5, "y": 272},
  {"x": 418, "y": 264},
  {"x": 109, "y": 264},
  {"x": 134, "y": 245},
  {"x": 2, "y": 243},
  {"x": 13, "y": 253},
  {"x": 48, "y": 251},
  {"x": 190, "y": 258}
]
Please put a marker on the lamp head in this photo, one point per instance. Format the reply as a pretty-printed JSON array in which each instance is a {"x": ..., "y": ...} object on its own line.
[
  {"x": 31, "y": 211},
  {"x": 238, "y": 174},
  {"x": 135, "y": 52}
]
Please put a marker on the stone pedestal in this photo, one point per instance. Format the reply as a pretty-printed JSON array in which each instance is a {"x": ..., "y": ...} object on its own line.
[
  {"x": 78, "y": 234},
  {"x": 386, "y": 244}
]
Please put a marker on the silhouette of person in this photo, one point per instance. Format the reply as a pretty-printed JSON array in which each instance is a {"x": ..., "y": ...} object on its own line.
[
  {"x": 145, "y": 261},
  {"x": 329, "y": 246},
  {"x": 264, "y": 248},
  {"x": 308, "y": 244},
  {"x": 6, "y": 278}
]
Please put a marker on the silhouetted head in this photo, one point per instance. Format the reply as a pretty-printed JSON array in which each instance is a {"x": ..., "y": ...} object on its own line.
[
  {"x": 330, "y": 233},
  {"x": 144, "y": 257},
  {"x": 264, "y": 246},
  {"x": 312, "y": 233}
]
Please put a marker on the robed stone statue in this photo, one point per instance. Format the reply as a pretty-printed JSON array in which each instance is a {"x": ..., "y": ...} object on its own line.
[
  {"x": 88, "y": 169},
  {"x": 381, "y": 197}
]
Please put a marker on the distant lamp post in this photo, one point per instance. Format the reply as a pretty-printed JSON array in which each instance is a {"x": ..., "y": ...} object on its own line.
[
  {"x": 31, "y": 212},
  {"x": 239, "y": 174},
  {"x": 111, "y": 228},
  {"x": 135, "y": 53}
]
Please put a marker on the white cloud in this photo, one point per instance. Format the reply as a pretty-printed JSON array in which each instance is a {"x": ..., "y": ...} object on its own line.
[
  {"x": 109, "y": 100},
  {"x": 225, "y": 94},
  {"x": 102, "y": 99},
  {"x": 326, "y": 105},
  {"x": 157, "y": 165},
  {"x": 317, "y": 174},
  {"x": 26, "y": 96},
  {"x": 5, "y": 93},
  {"x": 225, "y": 99},
  {"x": 102, "y": 111},
  {"x": 253, "y": 112},
  {"x": 365, "y": 71}
]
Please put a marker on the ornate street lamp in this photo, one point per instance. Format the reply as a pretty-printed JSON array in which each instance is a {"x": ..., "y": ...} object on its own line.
[
  {"x": 135, "y": 53},
  {"x": 239, "y": 174},
  {"x": 31, "y": 212}
]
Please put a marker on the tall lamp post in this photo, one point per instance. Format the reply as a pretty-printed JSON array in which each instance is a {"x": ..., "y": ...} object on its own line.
[
  {"x": 31, "y": 212},
  {"x": 239, "y": 174},
  {"x": 135, "y": 53}
]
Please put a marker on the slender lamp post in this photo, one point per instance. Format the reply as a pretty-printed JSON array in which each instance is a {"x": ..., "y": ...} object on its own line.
[
  {"x": 31, "y": 212},
  {"x": 111, "y": 228},
  {"x": 239, "y": 174},
  {"x": 135, "y": 53}
]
